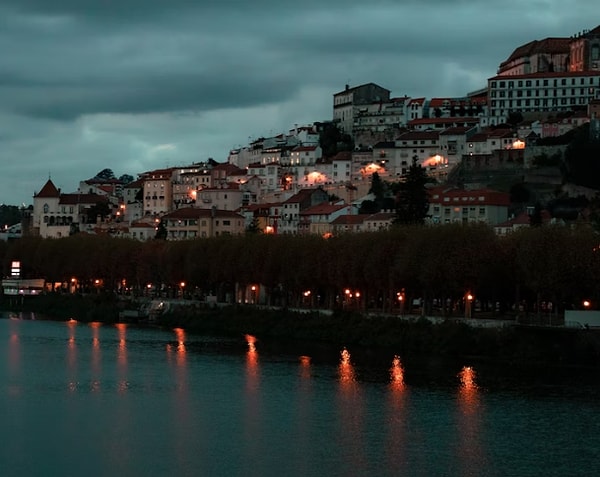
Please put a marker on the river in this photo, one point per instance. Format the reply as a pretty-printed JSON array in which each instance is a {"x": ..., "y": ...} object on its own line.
[{"x": 118, "y": 400}]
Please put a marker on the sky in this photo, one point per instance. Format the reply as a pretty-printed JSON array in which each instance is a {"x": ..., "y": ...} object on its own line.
[{"x": 137, "y": 85}]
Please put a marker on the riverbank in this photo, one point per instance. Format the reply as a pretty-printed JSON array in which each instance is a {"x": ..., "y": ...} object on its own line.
[{"x": 373, "y": 334}]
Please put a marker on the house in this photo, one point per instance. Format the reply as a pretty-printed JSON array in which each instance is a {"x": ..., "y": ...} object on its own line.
[
  {"x": 448, "y": 205},
  {"x": 157, "y": 191},
  {"x": 59, "y": 215},
  {"x": 348, "y": 223},
  {"x": 318, "y": 218},
  {"x": 191, "y": 222},
  {"x": 291, "y": 208},
  {"x": 378, "y": 221},
  {"x": 227, "y": 196}
]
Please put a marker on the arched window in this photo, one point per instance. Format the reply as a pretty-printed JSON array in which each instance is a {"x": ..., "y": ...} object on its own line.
[
  {"x": 46, "y": 208},
  {"x": 45, "y": 219}
]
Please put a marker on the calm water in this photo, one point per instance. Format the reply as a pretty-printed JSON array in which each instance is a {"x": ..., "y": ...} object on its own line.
[{"x": 104, "y": 400}]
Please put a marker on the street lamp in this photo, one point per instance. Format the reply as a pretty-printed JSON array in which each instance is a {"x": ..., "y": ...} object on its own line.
[{"x": 468, "y": 304}]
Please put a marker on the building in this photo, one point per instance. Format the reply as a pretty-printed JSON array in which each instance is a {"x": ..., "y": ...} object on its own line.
[
  {"x": 541, "y": 92},
  {"x": 58, "y": 215},
  {"x": 157, "y": 192},
  {"x": 292, "y": 207},
  {"x": 450, "y": 205},
  {"x": 346, "y": 103},
  {"x": 318, "y": 219},
  {"x": 191, "y": 223},
  {"x": 538, "y": 56}
]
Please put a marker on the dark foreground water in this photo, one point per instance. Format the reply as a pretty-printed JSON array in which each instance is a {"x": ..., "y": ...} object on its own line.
[{"x": 103, "y": 400}]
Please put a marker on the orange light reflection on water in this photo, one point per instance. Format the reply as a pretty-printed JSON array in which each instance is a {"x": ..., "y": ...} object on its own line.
[
  {"x": 397, "y": 374},
  {"x": 305, "y": 367},
  {"x": 346, "y": 369},
  {"x": 470, "y": 421}
]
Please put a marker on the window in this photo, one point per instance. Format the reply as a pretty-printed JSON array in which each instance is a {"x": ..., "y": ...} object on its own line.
[{"x": 227, "y": 223}]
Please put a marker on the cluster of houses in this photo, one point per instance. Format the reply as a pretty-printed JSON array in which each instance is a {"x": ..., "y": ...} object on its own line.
[{"x": 286, "y": 184}]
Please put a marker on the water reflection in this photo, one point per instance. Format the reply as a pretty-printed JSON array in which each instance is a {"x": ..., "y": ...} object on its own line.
[
  {"x": 351, "y": 420},
  {"x": 397, "y": 417},
  {"x": 472, "y": 456},
  {"x": 96, "y": 361},
  {"x": 14, "y": 358},
  {"x": 251, "y": 360},
  {"x": 122, "y": 367},
  {"x": 346, "y": 370},
  {"x": 72, "y": 356},
  {"x": 305, "y": 367},
  {"x": 397, "y": 374}
]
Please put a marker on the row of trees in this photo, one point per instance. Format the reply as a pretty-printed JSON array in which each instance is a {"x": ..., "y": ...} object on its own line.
[{"x": 436, "y": 264}]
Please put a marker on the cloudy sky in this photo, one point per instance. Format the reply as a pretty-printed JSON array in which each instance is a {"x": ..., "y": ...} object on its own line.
[{"x": 135, "y": 85}]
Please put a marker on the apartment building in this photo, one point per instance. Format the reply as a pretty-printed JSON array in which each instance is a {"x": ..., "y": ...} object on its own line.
[
  {"x": 347, "y": 103},
  {"x": 541, "y": 92},
  {"x": 190, "y": 223},
  {"x": 157, "y": 191},
  {"x": 447, "y": 205}
]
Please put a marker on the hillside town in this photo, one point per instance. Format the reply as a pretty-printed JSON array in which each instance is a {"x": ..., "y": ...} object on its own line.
[{"x": 315, "y": 179}]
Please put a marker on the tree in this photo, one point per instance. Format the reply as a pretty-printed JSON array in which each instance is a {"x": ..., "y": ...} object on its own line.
[
  {"x": 332, "y": 140},
  {"x": 126, "y": 179},
  {"x": 412, "y": 199},
  {"x": 100, "y": 209},
  {"x": 105, "y": 174}
]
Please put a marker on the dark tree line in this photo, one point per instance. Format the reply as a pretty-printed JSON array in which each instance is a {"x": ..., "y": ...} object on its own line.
[{"x": 434, "y": 264}]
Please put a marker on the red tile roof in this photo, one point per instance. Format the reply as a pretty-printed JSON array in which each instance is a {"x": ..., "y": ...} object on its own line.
[
  {"x": 552, "y": 74},
  {"x": 322, "y": 209},
  {"x": 49, "y": 190},
  {"x": 462, "y": 197}
]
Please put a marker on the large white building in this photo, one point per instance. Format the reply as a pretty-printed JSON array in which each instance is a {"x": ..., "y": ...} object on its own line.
[{"x": 541, "y": 92}]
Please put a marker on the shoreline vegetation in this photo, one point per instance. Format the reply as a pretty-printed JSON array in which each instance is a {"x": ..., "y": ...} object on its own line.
[{"x": 413, "y": 336}]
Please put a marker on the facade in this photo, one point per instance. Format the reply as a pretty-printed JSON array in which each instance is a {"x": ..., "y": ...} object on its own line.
[
  {"x": 226, "y": 197},
  {"x": 191, "y": 223},
  {"x": 346, "y": 103},
  {"x": 318, "y": 219},
  {"x": 292, "y": 207},
  {"x": 450, "y": 205},
  {"x": 541, "y": 92},
  {"x": 585, "y": 51},
  {"x": 57, "y": 215},
  {"x": 157, "y": 192}
]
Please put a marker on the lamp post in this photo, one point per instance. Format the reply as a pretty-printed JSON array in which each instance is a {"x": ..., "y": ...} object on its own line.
[{"x": 468, "y": 304}]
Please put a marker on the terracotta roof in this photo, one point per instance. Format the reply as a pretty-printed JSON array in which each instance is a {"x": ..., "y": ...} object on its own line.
[
  {"x": 550, "y": 74},
  {"x": 342, "y": 156},
  {"x": 304, "y": 148},
  {"x": 49, "y": 190},
  {"x": 547, "y": 46},
  {"x": 322, "y": 209},
  {"x": 457, "y": 102},
  {"x": 417, "y": 100},
  {"x": 419, "y": 135},
  {"x": 456, "y": 119},
  {"x": 300, "y": 196},
  {"x": 461, "y": 197}
]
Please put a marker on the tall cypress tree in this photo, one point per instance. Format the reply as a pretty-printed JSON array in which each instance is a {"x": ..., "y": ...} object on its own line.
[{"x": 412, "y": 199}]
